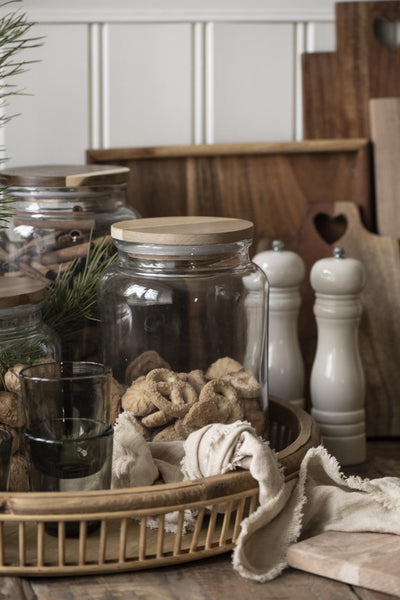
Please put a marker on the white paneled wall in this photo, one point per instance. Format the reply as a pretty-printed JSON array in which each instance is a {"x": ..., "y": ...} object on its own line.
[
  {"x": 149, "y": 73},
  {"x": 253, "y": 81},
  {"x": 52, "y": 122},
  {"x": 157, "y": 75}
]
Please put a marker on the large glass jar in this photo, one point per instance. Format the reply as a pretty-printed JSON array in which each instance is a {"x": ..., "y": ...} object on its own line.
[
  {"x": 59, "y": 214},
  {"x": 24, "y": 338},
  {"x": 184, "y": 297}
]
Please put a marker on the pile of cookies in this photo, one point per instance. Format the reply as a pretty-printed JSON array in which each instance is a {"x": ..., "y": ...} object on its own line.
[{"x": 169, "y": 406}]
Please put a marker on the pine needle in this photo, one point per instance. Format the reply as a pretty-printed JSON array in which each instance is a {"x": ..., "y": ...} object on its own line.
[
  {"x": 24, "y": 352},
  {"x": 72, "y": 297},
  {"x": 14, "y": 38}
]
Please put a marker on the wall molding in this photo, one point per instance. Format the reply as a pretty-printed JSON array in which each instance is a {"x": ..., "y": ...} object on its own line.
[{"x": 109, "y": 15}]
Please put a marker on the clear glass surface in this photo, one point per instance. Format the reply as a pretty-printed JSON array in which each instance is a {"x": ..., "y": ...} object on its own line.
[
  {"x": 192, "y": 305},
  {"x": 49, "y": 220},
  {"x": 66, "y": 390},
  {"x": 69, "y": 455},
  {"x": 24, "y": 338}
]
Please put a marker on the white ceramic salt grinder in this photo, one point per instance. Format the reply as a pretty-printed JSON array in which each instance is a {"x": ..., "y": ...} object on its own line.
[
  {"x": 337, "y": 377},
  {"x": 285, "y": 271}
]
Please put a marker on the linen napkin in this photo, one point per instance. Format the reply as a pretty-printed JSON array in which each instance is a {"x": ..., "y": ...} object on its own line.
[
  {"x": 321, "y": 499},
  {"x": 132, "y": 462}
]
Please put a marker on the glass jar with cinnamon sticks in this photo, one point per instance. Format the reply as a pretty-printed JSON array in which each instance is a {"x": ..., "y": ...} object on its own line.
[
  {"x": 58, "y": 211},
  {"x": 59, "y": 215}
]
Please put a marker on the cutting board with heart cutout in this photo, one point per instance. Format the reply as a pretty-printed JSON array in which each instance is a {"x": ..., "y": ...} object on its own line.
[
  {"x": 326, "y": 226},
  {"x": 338, "y": 85}
]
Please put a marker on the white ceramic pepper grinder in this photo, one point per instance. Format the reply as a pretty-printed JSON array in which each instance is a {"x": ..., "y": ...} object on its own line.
[
  {"x": 285, "y": 271},
  {"x": 337, "y": 376}
]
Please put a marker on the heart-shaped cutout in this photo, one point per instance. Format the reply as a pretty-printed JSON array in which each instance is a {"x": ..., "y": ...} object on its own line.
[
  {"x": 387, "y": 32},
  {"x": 329, "y": 228}
]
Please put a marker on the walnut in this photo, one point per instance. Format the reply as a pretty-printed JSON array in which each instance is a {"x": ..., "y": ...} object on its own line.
[
  {"x": 12, "y": 412},
  {"x": 19, "y": 473},
  {"x": 44, "y": 360},
  {"x": 15, "y": 437},
  {"x": 12, "y": 378}
]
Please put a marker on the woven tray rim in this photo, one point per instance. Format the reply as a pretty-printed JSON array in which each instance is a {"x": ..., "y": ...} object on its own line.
[{"x": 31, "y": 504}]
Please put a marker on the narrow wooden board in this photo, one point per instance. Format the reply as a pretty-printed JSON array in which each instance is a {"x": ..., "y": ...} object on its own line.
[
  {"x": 269, "y": 184},
  {"x": 368, "y": 560},
  {"x": 337, "y": 86},
  {"x": 325, "y": 227},
  {"x": 385, "y": 131},
  {"x": 322, "y": 97}
]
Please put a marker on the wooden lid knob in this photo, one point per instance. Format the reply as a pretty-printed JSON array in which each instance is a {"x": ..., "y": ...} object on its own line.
[
  {"x": 21, "y": 290},
  {"x": 183, "y": 231}
]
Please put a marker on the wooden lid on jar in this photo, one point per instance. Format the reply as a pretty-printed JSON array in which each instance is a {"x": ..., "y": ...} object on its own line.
[
  {"x": 183, "y": 231},
  {"x": 65, "y": 175},
  {"x": 16, "y": 291}
]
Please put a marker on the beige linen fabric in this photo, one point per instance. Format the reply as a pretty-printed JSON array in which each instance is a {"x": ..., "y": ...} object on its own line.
[
  {"x": 321, "y": 499},
  {"x": 132, "y": 463}
]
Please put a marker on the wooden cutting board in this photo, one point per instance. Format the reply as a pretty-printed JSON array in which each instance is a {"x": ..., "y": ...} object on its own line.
[
  {"x": 337, "y": 86},
  {"x": 325, "y": 227},
  {"x": 271, "y": 184},
  {"x": 385, "y": 132},
  {"x": 368, "y": 560}
]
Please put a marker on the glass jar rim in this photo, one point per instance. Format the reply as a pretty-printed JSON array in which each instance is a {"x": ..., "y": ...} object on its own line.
[
  {"x": 103, "y": 431},
  {"x": 93, "y": 370},
  {"x": 176, "y": 252}
]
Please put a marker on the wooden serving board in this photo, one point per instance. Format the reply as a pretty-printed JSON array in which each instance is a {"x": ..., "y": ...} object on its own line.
[
  {"x": 385, "y": 131},
  {"x": 368, "y": 560},
  {"x": 339, "y": 224},
  {"x": 338, "y": 85},
  {"x": 270, "y": 184}
]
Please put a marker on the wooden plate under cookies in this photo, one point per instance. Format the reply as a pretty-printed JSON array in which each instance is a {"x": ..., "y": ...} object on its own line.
[{"x": 123, "y": 542}]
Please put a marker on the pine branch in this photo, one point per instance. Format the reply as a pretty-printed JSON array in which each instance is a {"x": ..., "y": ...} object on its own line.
[
  {"x": 72, "y": 296},
  {"x": 15, "y": 38},
  {"x": 23, "y": 352}
]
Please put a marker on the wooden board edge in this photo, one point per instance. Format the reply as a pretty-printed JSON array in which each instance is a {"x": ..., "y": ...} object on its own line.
[{"x": 210, "y": 150}]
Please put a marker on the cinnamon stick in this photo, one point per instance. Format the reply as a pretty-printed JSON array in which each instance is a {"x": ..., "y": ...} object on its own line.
[
  {"x": 54, "y": 268},
  {"x": 29, "y": 270},
  {"x": 71, "y": 252},
  {"x": 45, "y": 223},
  {"x": 39, "y": 243}
]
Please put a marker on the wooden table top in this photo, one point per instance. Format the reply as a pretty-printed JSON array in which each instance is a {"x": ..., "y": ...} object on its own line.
[{"x": 212, "y": 578}]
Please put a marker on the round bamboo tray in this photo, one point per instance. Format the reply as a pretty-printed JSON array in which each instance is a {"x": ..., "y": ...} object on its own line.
[{"x": 123, "y": 541}]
